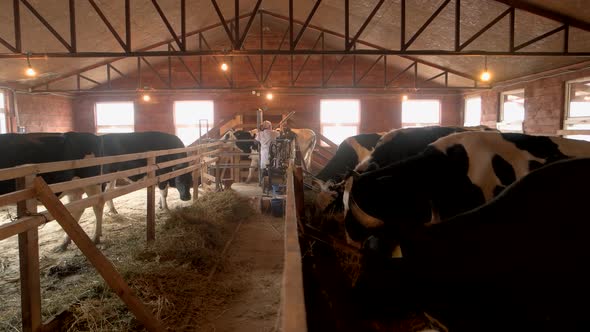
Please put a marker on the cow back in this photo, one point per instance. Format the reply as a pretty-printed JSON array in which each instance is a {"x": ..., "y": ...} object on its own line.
[{"x": 34, "y": 148}]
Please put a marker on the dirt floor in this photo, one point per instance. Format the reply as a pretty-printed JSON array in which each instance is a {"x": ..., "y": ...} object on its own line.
[{"x": 236, "y": 290}]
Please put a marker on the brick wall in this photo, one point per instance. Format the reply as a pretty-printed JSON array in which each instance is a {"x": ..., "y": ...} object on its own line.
[
  {"x": 45, "y": 113},
  {"x": 544, "y": 103},
  {"x": 378, "y": 112}
]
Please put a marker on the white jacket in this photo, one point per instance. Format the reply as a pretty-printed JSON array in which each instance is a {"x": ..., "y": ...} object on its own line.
[{"x": 266, "y": 137}]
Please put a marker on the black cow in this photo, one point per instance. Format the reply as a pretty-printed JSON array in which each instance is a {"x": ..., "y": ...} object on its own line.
[
  {"x": 349, "y": 154},
  {"x": 127, "y": 143},
  {"x": 453, "y": 175},
  {"x": 19, "y": 149},
  {"x": 517, "y": 263}
]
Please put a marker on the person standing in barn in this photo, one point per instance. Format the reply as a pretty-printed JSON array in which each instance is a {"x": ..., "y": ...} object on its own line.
[{"x": 266, "y": 136}]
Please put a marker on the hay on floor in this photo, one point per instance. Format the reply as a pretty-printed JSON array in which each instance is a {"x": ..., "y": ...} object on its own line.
[{"x": 171, "y": 276}]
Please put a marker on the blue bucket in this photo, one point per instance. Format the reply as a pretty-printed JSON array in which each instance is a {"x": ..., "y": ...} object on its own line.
[
  {"x": 276, "y": 207},
  {"x": 278, "y": 189}
]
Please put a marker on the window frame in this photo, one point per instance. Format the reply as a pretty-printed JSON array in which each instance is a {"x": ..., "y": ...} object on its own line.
[
  {"x": 97, "y": 126},
  {"x": 567, "y": 120},
  {"x": 501, "y": 124},
  {"x": 197, "y": 125},
  {"x": 356, "y": 124},
  {"x": 465, "y": 109},
  {"x": 421, "y": 124}
]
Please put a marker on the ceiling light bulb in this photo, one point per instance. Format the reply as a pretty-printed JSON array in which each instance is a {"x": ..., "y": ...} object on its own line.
[
  {"x": 146, "y": 97},
  {"x": 405, "y": 97},
  {"x": 30, "y": 72},
  {"x": 269, "y": 96},
  {"x": 485, "y": 76},
  {"x": 224, "y": 66}
]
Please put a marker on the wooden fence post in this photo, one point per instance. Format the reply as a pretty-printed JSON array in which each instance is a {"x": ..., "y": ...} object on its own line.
[
  {"x": 217, "y": 176},
  {"x": 298, "y": 186},
  {"x": 151, "y": 203},
  {"x": 95, "y": 256},
  {"x": 196, "y": 178},
  {"x": 28, "y": 249}
]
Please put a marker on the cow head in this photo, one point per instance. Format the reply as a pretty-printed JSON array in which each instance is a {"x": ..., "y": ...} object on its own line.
[
  {"x": 183, "y": 184},
  {"x": 366, "y": 165},
  {"x": 381, "y": 206}
]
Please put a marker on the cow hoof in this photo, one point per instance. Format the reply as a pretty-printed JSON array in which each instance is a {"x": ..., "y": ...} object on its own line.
[
  {"x": 113, "y": 212},
  {"x": 96, "y": 240}
]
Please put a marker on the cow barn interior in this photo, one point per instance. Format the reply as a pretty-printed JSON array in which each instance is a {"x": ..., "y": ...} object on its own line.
[{"x": 424, "y": 168}]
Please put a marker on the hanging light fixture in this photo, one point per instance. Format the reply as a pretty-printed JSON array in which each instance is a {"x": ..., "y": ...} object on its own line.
[
  {"x": 30, "y": 71},
  {"x": 145, "y": 94},
  {"x": 405, "y": 97},
  {"x": 269, "y": 96},
  {"x": 485, "y": 76},
  {"x": 224, "y": 66}
]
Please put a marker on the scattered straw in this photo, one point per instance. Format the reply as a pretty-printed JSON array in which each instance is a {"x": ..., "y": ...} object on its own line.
[{"x": 169, "y": 276}]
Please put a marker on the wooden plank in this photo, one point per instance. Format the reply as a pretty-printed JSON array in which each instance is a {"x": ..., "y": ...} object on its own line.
[
  {"x": 16, "y": 196},
  {"x": 327, "y": 140},
  {"x": 23, "y": 170},
  {"x": 208, "y": 177},
  {"x": 12, "y": 198},
  {"x": 98, "y": 260},
  {"x": 151, "y": 205},
  {"x": 58, "y": 321},
  {"x": 298, "y": 191},
  {"x": 293, "y": 300},
  {"x": 28, "y": 250},
  {"x": 19, "y": 226},
  {"x": 573, "y": 132},
  {"x": 196, "y": 179}
]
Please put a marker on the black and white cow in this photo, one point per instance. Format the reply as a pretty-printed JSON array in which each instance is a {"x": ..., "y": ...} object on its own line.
[
  {"x": 399, "y": 144},
  {"x": 393, "y": 146},
  {"x": 127, "y": 143},
  {"x": 349, "y": 154},
  {"x": 251, "y": 147},
  {"x": 456, "y": 173},
  {"x": 517, "y": 263},
  {"x": 34, "y": 148}
]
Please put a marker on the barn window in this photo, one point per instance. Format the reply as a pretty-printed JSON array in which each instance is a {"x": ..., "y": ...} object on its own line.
[
  {"x": 339, "y": 118},
  {"x": 472, "y": 113},
  {"x": 192, "y": 119},
  {"x": 577, "y": 115},
  {"x": 3, "y": 128},
  {"x": 116, "y": 117},
  {"x": 511, "y": 111},
  {"x": 420, "y": 113}
]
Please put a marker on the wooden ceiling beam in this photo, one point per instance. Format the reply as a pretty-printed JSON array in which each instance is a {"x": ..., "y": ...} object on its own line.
[{"x": 533, "y": 9}]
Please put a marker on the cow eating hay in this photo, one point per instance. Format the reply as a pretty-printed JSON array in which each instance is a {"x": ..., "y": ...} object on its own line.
[{"x": 453, "y": 175}]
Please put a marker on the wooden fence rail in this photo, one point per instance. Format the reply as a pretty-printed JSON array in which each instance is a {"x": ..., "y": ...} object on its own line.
[
  {"x": 30, "y": 188},
  {"x": 24, "y": 170}
]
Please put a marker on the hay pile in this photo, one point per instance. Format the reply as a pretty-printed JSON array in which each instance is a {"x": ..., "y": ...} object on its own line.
[{"x": 173, "y": 276}]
